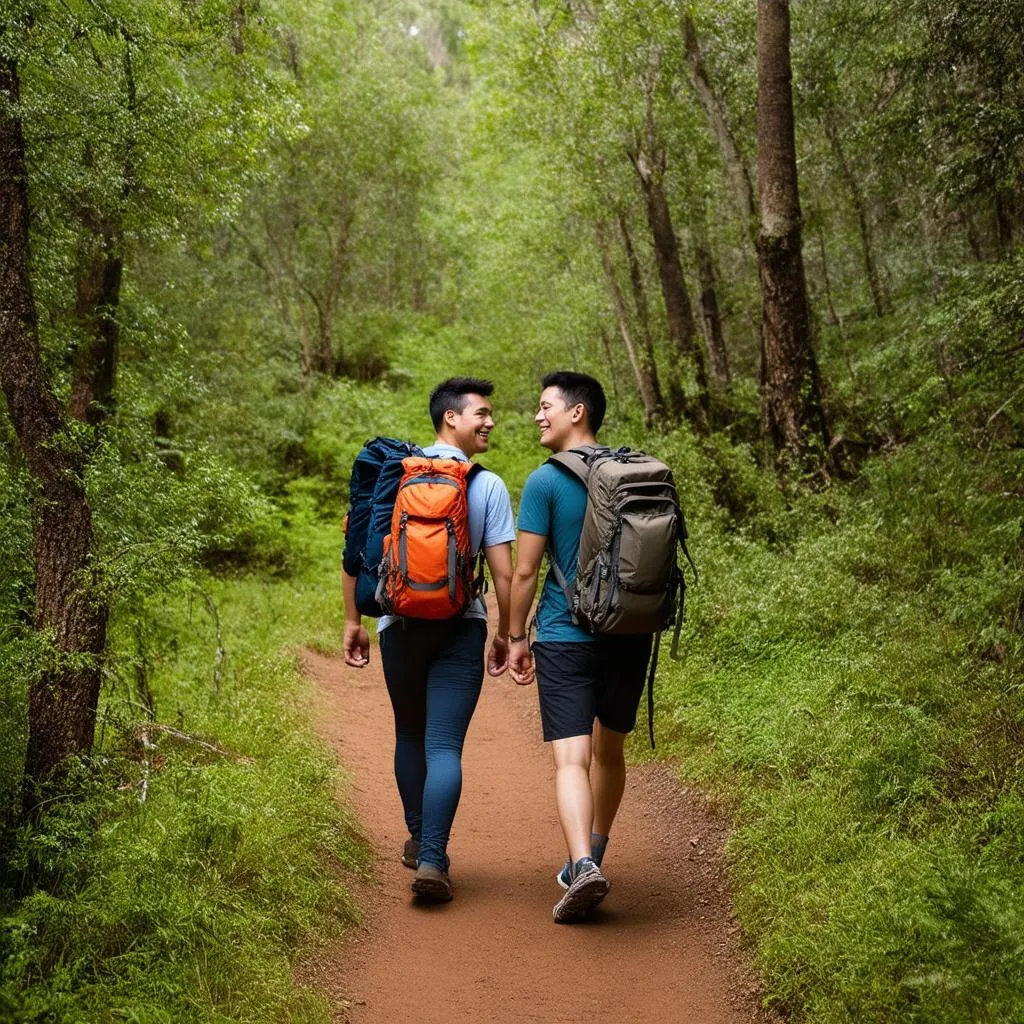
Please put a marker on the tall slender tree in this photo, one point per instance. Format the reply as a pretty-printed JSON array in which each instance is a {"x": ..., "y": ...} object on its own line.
[
  {"x": 792, "y": 414},
  {"x": 682, "y": 327},
  {"x": 718, "y": 120},
  {"x": 641, "y": 357}
]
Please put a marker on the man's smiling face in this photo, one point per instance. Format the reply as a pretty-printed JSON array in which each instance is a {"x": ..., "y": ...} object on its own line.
[
  {"x": 555, "y": 419},
  {"x": 473, "y": 425}
]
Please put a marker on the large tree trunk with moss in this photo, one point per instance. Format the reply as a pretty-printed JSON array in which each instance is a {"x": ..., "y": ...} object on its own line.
[
  {"x": 64, "y": 697},
  {"x": 682, "y": 327},
  {"x": 791, "y": 408}
]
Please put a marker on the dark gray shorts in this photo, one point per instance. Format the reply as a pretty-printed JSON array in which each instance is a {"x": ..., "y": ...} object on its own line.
[{"x": 601, "y": 678}]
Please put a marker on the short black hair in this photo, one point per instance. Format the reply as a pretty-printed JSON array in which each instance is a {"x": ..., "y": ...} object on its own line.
[
  {"x": 451, "y": 394},
  {"x": 580, "y": 389}
]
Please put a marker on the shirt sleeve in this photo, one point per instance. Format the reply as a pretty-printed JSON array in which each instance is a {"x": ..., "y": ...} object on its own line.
[
  {"x": 535, "y": 507},
  {"x": 499, "y": 525}
]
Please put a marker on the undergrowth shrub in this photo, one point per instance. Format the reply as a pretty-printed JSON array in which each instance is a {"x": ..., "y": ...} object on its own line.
[
  {"x": 852, "y": 686},
  {"x": 204, "y": 850}
]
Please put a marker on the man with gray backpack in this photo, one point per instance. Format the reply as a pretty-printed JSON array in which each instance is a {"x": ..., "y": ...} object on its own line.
[{"x": 609, "y": 522}]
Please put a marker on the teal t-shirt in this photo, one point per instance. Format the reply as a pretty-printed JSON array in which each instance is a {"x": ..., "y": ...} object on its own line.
[{"x": 553, "y": 506}]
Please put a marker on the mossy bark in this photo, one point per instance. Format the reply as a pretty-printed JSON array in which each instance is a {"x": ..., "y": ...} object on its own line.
[{"x": 63, "y": 698}]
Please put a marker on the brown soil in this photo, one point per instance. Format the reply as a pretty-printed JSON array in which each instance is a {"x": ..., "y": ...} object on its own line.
[{"x": 661, "y": 948}]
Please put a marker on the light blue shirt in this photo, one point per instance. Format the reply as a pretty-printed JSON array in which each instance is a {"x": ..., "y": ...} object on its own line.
[{"x": 490, "y": 518}]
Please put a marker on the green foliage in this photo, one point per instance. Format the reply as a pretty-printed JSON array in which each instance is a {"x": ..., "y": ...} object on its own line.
[
  {"x": 180, "y": 882},
  {"x": 851, "y": 686},
  {"x": 322, "y": 211}
]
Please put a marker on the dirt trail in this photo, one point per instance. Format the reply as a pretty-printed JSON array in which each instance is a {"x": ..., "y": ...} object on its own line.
[{"x": 659, "y": 949}]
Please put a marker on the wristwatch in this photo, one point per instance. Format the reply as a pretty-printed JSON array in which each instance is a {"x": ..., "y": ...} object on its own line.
[{"x": 516, "y": 639}]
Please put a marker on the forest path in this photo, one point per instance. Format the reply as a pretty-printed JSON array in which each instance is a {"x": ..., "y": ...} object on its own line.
[{"x": 661, "y": 948}]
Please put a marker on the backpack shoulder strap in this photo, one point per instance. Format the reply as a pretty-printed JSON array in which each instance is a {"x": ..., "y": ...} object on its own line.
[{"x": 578, "y": 460}]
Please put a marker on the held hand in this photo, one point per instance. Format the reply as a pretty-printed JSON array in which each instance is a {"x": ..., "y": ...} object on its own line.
[
  {"x": 356, "y": 645},
  {"x": 520, "y": 663},
  {"x": 497, "y": 659}
]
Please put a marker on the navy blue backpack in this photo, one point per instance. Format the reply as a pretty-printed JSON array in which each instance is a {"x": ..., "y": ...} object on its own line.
[{"x": 376, "y": 473}]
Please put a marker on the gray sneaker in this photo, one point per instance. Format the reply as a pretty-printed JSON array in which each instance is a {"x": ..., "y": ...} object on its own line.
[
  {"x": 587, "y": 888},
  {"x": 564, "y": 877},
  {"x": 411, "y": 853},
  {"x": 432, "y": 884}
]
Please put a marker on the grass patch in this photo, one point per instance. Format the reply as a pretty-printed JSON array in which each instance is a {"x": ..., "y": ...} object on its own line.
[
  {"x": 852, "y": 688},
  {"x": 194, "y": 903}
]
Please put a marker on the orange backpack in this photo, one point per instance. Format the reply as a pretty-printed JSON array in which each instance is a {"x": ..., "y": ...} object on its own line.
[{"x": 427, "y": 569}]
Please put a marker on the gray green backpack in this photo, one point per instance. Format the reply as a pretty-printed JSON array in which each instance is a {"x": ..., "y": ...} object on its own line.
[{"x": 627, "y": 576}]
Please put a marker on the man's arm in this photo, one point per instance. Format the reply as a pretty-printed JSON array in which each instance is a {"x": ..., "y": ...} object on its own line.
[
  {"x": 499, "y": 561},
  {"x": 356, "y": 643},
  {"x": 529, "y": 555}
]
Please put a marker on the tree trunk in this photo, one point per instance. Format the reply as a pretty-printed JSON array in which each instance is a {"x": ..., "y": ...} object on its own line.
[
  {"x": 324, "y": 360},
  {"x": 236, "y": 34},
  {"x": 1002, "y": 212},
  {"x": 319, "y": 356},
  {"x": 791, "y": 409},
  {"x": 973, "y": 239},
  {"x": 646, "y": 342},
  {"x": 735, "y": 165},
  {"x": 864, "y": 223},
  {"x": 711, "y": 317},
  {"x": 64, "y": 697},
  {"x": 646, "y": 375},
  {"x": 826, "y": 279},
  {"x": 636, "y": 280},
  {"x": 331, "y": 361},
  {"x": 613, "y": 375},
  {"x": 99, "y": 292},
  {"x": 678, "y": 310}
]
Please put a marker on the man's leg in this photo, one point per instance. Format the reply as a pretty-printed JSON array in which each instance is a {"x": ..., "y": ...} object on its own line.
[
  {"x": 565, "y": 688},
  {"x": 621, "y": 678},
  {"x": 573, "y": 796},
  {"x": 608, "y": 776},
  {"x": 403, "y": 658},
  {"x": 454, "y": 679}
]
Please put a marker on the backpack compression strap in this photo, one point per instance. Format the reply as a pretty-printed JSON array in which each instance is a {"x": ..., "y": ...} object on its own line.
[
  {"x": 480, "y": 580},
  {"x": 681, "y": 612},
  {"x": 650, "y": 684}
]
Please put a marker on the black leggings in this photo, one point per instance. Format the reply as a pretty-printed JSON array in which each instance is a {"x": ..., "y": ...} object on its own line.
[{"x": 434, "y": 672}]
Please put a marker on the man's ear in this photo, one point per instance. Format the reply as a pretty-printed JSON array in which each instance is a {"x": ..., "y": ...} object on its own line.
[
  {"x": 449, "y": 417},
  {"x": 578, "y": 412}
]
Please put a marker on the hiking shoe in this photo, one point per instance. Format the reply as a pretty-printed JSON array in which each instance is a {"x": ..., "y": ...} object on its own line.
[
  {"x": 564, "y": 877},
  {"x": 587, "y": 888},
  {"x": 411, "y": 853},
  {"x": 432, "y": 884}
]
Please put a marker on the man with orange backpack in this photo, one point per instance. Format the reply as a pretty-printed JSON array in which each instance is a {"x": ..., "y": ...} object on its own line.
[{"x": 410, "y": 551}]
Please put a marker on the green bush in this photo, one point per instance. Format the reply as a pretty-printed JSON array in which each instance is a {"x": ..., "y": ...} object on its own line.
[
  {"x": 195, "y": 862},
  {"x": 851, "y": 688}
]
